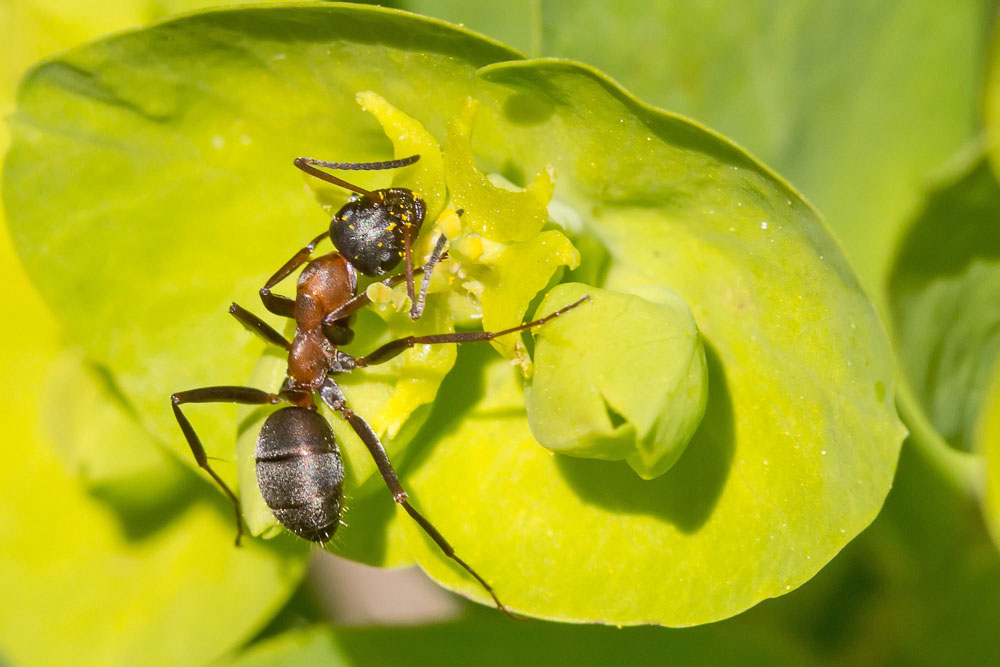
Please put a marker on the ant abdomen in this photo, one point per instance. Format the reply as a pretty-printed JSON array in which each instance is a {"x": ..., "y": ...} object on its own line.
[{"x": 300, "y": 472}]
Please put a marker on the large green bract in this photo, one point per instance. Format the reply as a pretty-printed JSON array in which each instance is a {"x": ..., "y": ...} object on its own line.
[
  {"x": 150, "y": 183},
  {"x": 821, "y": 91}
]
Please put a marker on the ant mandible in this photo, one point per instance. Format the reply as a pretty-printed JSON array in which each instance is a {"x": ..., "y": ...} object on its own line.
[{"x": 300, "y": 470}]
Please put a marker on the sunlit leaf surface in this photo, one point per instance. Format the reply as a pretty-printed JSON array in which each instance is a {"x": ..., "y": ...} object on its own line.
[{"x": 157, "y": 165}]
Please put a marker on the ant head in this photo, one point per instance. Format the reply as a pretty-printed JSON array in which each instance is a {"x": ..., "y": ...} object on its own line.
[{"x": 371, "y": 230}]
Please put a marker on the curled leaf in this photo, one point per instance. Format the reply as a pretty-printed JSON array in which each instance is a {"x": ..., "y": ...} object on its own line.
[{"x": 637, "y": 395}]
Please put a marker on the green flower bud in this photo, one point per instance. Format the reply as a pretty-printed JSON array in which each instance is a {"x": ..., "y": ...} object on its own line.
[{"x": 622, "y": 376}]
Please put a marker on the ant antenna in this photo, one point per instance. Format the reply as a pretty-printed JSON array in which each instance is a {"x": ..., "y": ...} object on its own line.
[{"x": 308, "y": 165}]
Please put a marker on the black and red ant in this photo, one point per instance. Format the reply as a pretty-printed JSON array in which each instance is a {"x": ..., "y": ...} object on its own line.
[{"x": 299, "y": 467}]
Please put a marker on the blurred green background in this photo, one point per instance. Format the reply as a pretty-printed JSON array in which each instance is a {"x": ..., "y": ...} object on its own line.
[{"x": 882, "y": 114}]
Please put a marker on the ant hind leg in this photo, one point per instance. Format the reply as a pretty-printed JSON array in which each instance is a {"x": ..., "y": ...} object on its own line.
[
  {"x": 242, "y": 395},
  {"x": 334, "y": 397}
]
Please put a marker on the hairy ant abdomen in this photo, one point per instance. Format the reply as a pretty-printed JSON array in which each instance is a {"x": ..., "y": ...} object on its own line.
[{"x": 300, "y": 472}]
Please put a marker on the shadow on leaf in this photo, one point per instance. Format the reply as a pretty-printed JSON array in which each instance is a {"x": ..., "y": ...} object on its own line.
[{"x": 686, "y": 494}]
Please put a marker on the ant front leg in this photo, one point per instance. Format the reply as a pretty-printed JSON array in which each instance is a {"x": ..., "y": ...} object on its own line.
[
  {"x": 242, "y": 395},
  {"x": 437, "y": 254},
  {"x": 417, "y": 306},
  {"x": 395, "y": 347},
  {"x": 332, "y": 395},
  {"x": 282, "y": 305},
  {"x": 362, "y": 300}
]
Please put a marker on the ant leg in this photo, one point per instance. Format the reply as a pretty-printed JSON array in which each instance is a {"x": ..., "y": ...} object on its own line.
[
  {"x": 393, "y": 348},
  {"x": 408, "y": 254},
  {"x": 305, "y": 164},
  {"x": 282, "y": 305},
  {"x": 356, "y": 303},
  {"x": 417, "y": 307},
  {"x": 359, "y": 301},
  {"x": 244, "y": 395},
  {"x": 254, "y": 324},
  {"x": 334, "y": 397}
]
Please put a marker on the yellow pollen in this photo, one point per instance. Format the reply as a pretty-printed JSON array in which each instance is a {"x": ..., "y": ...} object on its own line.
[{"x": 450, "y": 224}]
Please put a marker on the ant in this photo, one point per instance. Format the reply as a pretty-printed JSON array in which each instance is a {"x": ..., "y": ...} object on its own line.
[{"x": 300, "y": 470}]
